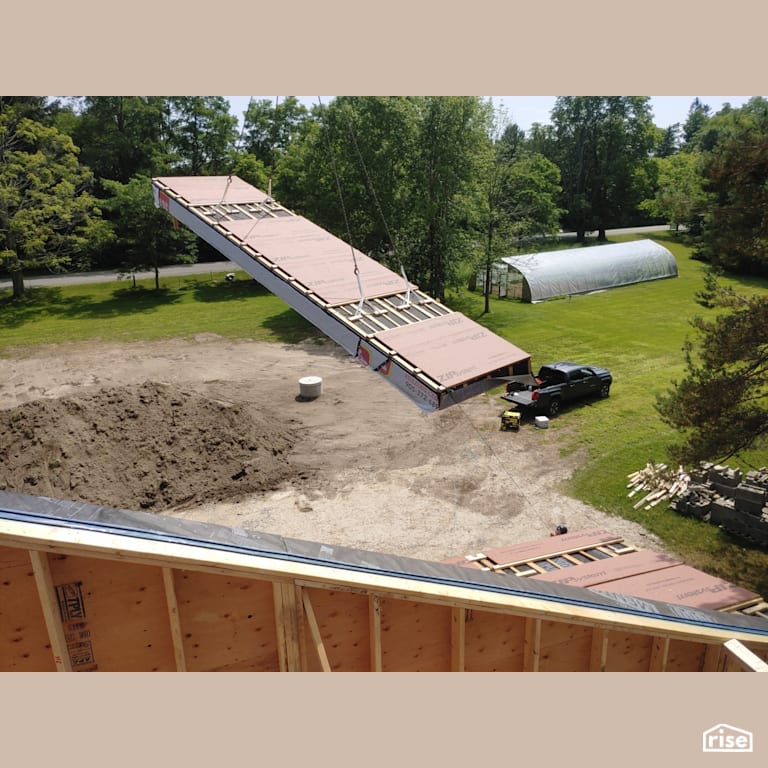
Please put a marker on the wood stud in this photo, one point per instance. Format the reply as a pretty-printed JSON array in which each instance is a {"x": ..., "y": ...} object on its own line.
[{"x": 50, "y": 605}]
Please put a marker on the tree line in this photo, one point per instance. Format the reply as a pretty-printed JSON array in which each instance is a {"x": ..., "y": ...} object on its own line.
[
  {"x": 436, "y": 185},
  {"x": 439, "y": 187}
]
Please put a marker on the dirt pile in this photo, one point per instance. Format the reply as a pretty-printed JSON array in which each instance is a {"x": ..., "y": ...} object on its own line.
[
  {"x": 149, "y": 446},
  {"x": 359, "y": 466}
]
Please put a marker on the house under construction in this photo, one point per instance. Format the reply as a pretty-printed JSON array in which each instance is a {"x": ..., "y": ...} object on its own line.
[{"x": 87, "y": 587}]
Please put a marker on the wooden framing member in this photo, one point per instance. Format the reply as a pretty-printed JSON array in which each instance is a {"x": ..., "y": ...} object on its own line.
[
  {"x": 712, "y": 657},
  {"x": 532, "y": 645},
  {"x": 314, "y": 631},
  {"x": 738, "y": 657},
  {"x": 561, "y": 553},
  {"x": 173, "y": 619},
  {"x": 389, "y": 309},
  {"x": 620, "y": 548},
  {"x": 458, "y": 638},
  {"x": 745, "y": 606},
  {"x": 481, "y": 561},
  {"x": 605, "y": 550},
  {"x": 759, "y": 607},
  {"x": 50, "y": 605},
  {"x": 287, "y": 625},
  {"x": 598, "y": 656},
  {"x": 374, "y": 622},
  {"x": 249, "y": 250}
]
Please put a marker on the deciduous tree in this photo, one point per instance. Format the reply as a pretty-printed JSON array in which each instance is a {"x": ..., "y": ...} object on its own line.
[
  {"x": 399, "y": 174},
  {"x": 519, "y": 190},
  {"x": 735, "y": 172},
  {"x": 448, "y": 154},
  {"x": 122, "y": 136},
  {"x": 600, "y": 143},
  {"x": 269, "y": 127},
  {"x": 203, "y": 134},
  {"x": 679, "y": 196},
  {"x": 145, "y": 237}
]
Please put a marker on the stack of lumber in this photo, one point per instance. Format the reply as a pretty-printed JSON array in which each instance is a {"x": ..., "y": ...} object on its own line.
[{"x": 659, "y": 483}]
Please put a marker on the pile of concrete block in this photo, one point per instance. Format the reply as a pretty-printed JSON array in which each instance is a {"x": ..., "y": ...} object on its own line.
[{"x": 724, "y": 497}]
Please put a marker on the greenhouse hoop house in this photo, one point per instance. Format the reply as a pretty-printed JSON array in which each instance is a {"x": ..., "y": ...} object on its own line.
[{"x": 550, "y": 274}]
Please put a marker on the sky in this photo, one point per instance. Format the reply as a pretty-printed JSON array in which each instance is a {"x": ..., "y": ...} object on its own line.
[{"x": 526, "y": 110}]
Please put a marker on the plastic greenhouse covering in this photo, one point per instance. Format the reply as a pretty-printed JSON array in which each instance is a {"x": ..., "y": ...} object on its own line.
[{"x": 581, "y": 270}]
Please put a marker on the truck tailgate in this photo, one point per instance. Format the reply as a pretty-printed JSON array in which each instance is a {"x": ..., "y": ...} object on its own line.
[{"x": 522, "y": 398}]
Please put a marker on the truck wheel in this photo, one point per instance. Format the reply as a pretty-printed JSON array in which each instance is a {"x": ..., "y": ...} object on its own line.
[
  {"x": 605, "y": 390},
  {"x": 554, "y": 407}
]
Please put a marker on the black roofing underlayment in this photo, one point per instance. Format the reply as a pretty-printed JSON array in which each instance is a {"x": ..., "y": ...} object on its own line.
[{"x": 43, "y": 510}]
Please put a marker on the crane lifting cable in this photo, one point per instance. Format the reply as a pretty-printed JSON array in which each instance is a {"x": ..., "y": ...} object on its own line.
[
  {"x": 433, "y": 355},
  {"x": 407, "y": 301},
  {"x": 358, "y": 315}
]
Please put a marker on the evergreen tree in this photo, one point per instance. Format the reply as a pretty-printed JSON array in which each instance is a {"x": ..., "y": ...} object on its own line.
[
  {"x": 48, "y": 217},
  {"x": 721, "y": 404}
]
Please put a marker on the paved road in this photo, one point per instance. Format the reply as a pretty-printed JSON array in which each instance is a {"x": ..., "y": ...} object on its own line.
[{"x": 76, "y": 278}]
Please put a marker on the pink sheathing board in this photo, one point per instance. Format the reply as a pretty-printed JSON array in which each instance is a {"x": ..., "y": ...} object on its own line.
[
  {"x": 212, "y": 190},
  {"x": 530, "y": 550},
  {"x": 317, "y": 259},
  {"x": 682, "y": 585},
  {"x": 452, "y": 349}
]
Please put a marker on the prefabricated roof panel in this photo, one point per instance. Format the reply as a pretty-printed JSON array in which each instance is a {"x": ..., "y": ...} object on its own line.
[
  {"x": 434, "y": 355},
  {"x": 317, "y": 259}
]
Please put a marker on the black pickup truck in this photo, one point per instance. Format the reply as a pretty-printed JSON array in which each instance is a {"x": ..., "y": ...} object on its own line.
[{"x": 556, "y": 384}]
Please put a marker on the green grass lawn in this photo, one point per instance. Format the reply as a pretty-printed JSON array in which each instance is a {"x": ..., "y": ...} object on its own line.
[
  {"x": 636, "y": 331},
  {"x": 116, "y": 311}
]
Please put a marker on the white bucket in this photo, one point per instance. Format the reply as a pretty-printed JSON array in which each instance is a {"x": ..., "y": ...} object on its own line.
[{"x": 310, "y": 387}]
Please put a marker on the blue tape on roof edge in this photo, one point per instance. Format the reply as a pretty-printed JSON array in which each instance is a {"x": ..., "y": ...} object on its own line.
[{"x": 476, "y": 581}]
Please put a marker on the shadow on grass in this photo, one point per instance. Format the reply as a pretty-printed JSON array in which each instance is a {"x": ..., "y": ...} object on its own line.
[
  {"x": 470, "y": 304},
  {"x": 237, "y": 290},
  {"x": 37, "y": 303},
  {"x": 745, "y": 558},
  {"x": 289, "y": 327}
]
